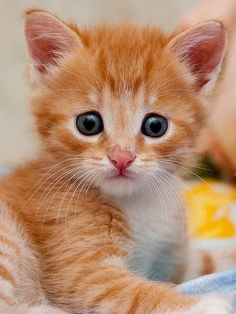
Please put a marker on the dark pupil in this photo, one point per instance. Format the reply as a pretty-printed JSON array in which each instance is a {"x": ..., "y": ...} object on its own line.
[
  {"x": 89, "y": 123},
  {"x": 155, "y": 126}
]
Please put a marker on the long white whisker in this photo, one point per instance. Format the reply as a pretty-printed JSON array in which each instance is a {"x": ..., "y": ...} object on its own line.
[
  {"x": 42, "y": 180},
  {"x": 52, "y": 185}
]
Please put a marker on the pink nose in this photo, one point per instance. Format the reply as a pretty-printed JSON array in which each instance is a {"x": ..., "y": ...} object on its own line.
[{"x": 121, "y": 158}]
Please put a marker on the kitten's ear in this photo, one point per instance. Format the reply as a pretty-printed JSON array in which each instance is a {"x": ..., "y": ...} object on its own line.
[
  {"x": 48, "y": 40},
  {"x": 202, "y": 49}
]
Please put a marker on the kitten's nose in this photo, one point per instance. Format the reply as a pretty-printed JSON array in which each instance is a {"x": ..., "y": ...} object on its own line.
[{"x": 121, "y": 158}]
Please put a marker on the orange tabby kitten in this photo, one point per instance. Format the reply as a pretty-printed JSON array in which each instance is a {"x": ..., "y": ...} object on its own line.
[{"x": 98, "y": 212}]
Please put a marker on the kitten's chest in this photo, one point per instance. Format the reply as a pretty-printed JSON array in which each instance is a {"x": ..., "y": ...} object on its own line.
[{"x": 158, "y": 227}]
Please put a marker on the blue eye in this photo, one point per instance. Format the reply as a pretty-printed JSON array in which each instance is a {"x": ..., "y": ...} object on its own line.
[
  {"x": 154, "y": 125},
  {"x": 89, "y": 123}
]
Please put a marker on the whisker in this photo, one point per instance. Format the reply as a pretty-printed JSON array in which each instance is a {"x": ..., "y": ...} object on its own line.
[
  {"x": 187, "y": 170},
  {"x": 39, "y": 183},
  {"x": 49, "y": 189},
  {"x": 82, "y": 181}
]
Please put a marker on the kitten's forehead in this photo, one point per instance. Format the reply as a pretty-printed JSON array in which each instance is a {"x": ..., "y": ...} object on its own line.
[
  {"x": 124, "y": 73},
  {"x": 123, "y": 113},
  {"x": 124, "y": 53}
]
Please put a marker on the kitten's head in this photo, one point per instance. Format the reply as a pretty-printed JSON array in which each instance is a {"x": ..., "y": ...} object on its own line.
[{"x": 120, "y": 104}]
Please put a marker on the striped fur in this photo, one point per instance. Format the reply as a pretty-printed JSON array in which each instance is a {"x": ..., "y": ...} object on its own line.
[{"x": 69, "y": 235}]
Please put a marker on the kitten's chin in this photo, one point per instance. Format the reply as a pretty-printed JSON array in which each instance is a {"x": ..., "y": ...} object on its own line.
[{"x": 120, "y": 187}]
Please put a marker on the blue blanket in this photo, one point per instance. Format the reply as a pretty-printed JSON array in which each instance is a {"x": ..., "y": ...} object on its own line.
[{"x": 222, "y": 284}]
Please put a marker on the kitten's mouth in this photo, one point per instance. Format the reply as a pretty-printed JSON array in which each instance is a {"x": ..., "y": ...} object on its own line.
[{"x": 121, "y": 175}]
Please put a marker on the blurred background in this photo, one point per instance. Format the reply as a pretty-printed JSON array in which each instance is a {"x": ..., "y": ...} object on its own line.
[{"x": 16, "y": 137}]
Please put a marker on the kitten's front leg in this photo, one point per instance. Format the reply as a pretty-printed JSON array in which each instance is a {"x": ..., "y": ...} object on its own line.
[
  {"x": 87, "y": 271},
  {"x": 108, "y": 288},
  {"x": 19, "y": 274}
]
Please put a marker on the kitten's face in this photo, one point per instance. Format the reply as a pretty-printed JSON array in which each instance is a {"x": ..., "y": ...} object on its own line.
[{"x": 120, "y": 108}]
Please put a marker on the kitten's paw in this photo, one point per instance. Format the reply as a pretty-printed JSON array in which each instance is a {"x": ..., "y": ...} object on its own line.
[{"x": 212, "y": 305}]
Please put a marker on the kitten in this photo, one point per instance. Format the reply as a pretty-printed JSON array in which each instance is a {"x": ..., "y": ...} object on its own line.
[{"x": 97, "y": 216}]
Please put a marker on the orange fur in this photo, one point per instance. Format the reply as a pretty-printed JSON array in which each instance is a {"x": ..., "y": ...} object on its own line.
[{"x": 80, "y": 235}]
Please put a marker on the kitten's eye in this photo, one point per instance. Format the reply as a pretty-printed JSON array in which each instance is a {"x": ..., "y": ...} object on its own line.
[
  {"x": 154, "y": 125},
  {"x": 89, "y": 123}
]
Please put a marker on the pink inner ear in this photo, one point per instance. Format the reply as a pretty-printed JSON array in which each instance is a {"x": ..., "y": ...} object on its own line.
[
  {"x": 43, "y": 52},
  {"x": 47, "y": 38},
  {"x": 205, "y": 57},
  {"x": 202, "y": 48}
]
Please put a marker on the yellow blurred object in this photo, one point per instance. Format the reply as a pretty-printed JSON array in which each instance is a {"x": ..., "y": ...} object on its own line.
[{"x": 212, "y": 210}]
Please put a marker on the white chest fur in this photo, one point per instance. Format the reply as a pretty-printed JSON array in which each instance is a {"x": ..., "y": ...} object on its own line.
[{"x": 158, "y": 227}]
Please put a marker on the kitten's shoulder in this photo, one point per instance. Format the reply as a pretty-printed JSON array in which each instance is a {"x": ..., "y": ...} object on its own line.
[{"x": 22, "y": 178}]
